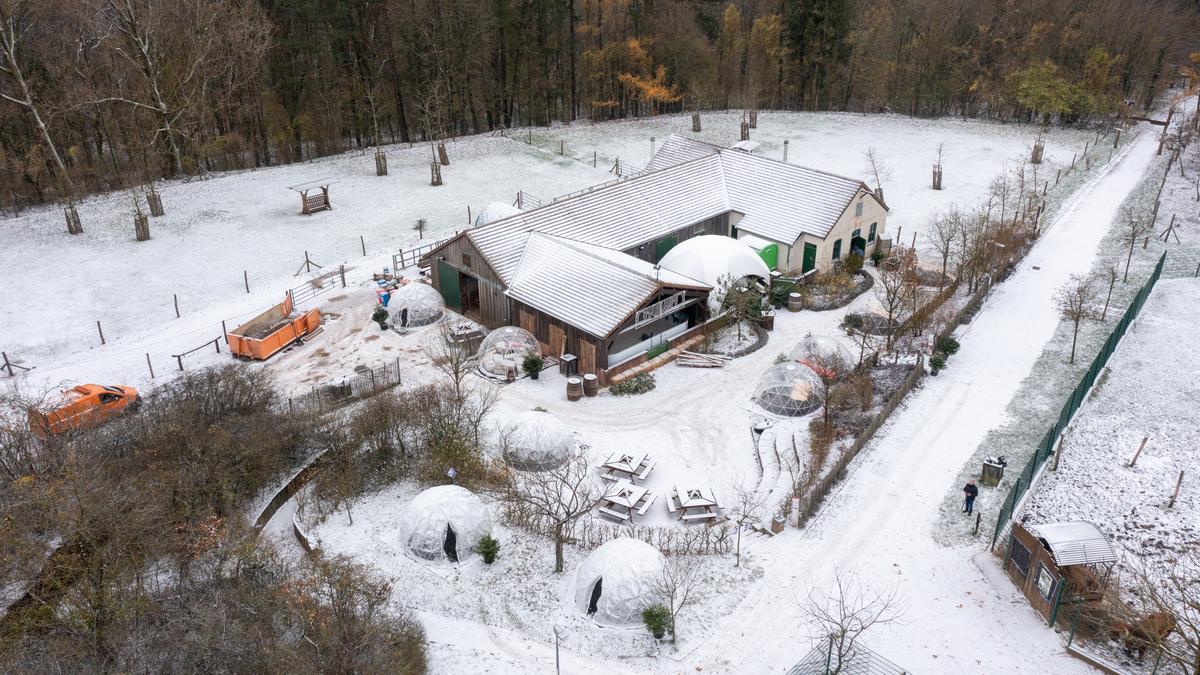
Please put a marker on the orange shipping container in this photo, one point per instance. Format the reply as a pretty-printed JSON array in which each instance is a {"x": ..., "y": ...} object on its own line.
[{"x": 271, "y": 331}]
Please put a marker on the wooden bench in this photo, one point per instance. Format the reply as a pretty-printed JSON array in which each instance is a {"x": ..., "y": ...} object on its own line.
[
  {"x": 699, "y": 516},
  {"x": 615, "y": 514},
  {"x": 671, "y": 504},
  {"x": 646, "y": 469},
  {"x": 649, "y": 499}
]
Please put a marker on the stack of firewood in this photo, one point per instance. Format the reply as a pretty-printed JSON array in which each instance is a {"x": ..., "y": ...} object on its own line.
[{"x": 698, "y": 360}]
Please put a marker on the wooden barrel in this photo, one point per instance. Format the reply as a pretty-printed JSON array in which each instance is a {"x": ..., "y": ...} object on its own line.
[
  {"x": 795, "y": 302},
  {"x": 574, "y": 388},
  {"x": 591, "y": 385}
]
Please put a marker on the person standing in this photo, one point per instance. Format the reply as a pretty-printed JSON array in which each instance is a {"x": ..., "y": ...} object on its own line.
[{"x": 970, "y": 492}]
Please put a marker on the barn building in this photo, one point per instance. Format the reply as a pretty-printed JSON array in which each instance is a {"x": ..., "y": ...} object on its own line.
[{"x": 581, "y": 274}]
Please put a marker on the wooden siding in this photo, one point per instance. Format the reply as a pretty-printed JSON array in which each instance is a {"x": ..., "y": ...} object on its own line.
[
  {"x": 454, "y": 250},
  {"x": 715, "y": 225},
  {"x": 1038, "y": 559},
  {"x": 462, "y": 255}
]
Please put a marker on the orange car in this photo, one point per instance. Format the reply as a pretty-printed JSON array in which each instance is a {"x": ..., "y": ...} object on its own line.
[{"x": 82, "y": 407}]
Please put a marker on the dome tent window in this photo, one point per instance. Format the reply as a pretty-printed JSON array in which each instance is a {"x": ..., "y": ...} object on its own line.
[
  {"x": 414, "y": 305},
  {"x": 503, "y": 351},
  {"x": 791, "y": 390}
]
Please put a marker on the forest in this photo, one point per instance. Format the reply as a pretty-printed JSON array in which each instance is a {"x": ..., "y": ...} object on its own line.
[{"x": 98, "y": 95}]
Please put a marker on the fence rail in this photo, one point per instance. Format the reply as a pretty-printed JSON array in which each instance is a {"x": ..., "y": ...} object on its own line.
[
  {"x": 362, "y": 385},
  {"x": 317, "y": 285},
  {"x": 1045, "y": 449},
  {"x": 405, "y": 258}
]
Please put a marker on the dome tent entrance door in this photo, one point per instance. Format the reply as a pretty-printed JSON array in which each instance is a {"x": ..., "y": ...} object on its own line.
[
  {"x": 451, "y": 545},
  {"x": 596, "y": 590}
]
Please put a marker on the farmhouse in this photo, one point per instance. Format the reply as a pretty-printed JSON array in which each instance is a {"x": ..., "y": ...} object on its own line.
[{"x": 581, "y": 273}]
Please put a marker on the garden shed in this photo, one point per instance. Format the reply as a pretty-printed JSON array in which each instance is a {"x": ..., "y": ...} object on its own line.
[
  {"x": 1055, "y": 562},
  {"x": 617, "y": 581},
  {"x": 444, "y": 523}
]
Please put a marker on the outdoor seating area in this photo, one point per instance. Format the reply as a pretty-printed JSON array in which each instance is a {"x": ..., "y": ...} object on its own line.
[
  {"x": 623, "y": 499},
  {"x": 627, "y": 466},
  {"x": 694, "y": 502}
]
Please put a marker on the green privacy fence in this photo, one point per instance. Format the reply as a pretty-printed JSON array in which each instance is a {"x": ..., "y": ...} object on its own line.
[{"x": 1046, "y": 448}]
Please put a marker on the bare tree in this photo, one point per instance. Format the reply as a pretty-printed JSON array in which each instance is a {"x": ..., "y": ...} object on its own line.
[
  {"x": 880, "y": 172},
  {"x": 559, "y": 495},
  {"x": 1109, "y": 275},
  {"x": 1074, "y": 300},
  {"x": 739, "y": 301},
  {"x": 1136, "y": 225},
  {"x": 897, "y": 282},
  {"x": 678, "y": 585},
  {"x": 846, "y": 611},
  {"x": 453, "y": 357},
  {"x": 16, "y": 21},
  {"x": 943, "y": 233},
  {"x": 747, "y": 503}
]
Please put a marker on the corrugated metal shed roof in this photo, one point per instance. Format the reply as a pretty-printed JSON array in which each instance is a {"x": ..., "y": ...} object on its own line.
[
  {"x": 1075, "y": 543},
  {"x": 587, "y": 286},
  {"x": 616, "y": 216}
]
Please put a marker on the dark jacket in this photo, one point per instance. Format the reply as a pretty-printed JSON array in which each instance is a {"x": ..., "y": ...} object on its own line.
[{"x": 970, "y": 490}]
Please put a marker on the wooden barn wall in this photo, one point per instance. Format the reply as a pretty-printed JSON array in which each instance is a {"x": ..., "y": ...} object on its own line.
[
  {"x": 493, "y": 304},
  {"x": 473, "y": 264},
  {"x": 715, "y": 225},
  {"x": 1027, "y": 581},
  {"x": 556, "y": 337}
]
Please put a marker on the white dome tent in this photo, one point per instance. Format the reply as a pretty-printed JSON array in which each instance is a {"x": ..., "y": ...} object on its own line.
[
  {"x": 536, "y": 441},
  {"x": 790, "y": 389},
  {"x": 414, "y": 305},
  {"x": 822, "y": 346},
  {"x": 616, "y": 581},
  {"x": 504, "y": 349},
  {"x": 495, "y": 211},
  {"x": 714, "y": 259},
  {"x": 444, "y": 523}
]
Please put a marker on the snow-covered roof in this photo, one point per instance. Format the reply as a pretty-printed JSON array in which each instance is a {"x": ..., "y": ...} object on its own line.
[
  {"x": 587, "y": 286},
  {"x": 537, "y": 440},
  {"x": 627, "y": 570},
  {"x": 781, "y": 201},
  {"x": 616, "y": 216},
  {"x": 424, "y": 522},
  {"x": 745, "y": 146},
  {"x": 712, "y": 257},
  {"x": 1075, "y": 543}
]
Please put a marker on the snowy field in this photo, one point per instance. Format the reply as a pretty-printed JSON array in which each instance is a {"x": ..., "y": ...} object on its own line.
[{"x": 56, "y": 287}]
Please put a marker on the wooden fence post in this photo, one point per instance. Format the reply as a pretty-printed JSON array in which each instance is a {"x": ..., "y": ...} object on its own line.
[
  {"x": 150, "y": 365},
  {"x": 1133, "y": 462},
  {"x": 363, "y": 243},
  {"x": 176, "y": 297},
  {"x": 785, "y": 149},
  {"x": 469, "y": 219},
  {"x": 217, "y": 344},
  {"x": 101, "y": 331},
  {"x": 8, "y": 366},
  {"x": 224, "y": 331},
  {"x": 696, "y": 123},
  {"x": 1178, "y": 484},
  {"x": 179, "y": 360},
  {"x": 246, "y": 278},
  {"x": 593, "y": 158},
  {"x": 342, "y": 271}
]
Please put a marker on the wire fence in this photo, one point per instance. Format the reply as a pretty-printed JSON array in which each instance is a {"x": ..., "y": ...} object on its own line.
[
  {"x": 317, "y": 285},
  {"x": 858, "y": 660},
  {"x": 366, "y": 383},
  {"x": 1045, "y": 449}
]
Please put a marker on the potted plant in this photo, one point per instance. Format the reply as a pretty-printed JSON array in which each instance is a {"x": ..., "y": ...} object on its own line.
[
  {"x": 936, "y": 363},
  {"x": 657, "y": 618},
  {"x": 532, "y": 365},
  {"x": 876, "y": 257},
  {"x": 380, "y": 316},
  {"x": 947, "y": 345},
  {"x": 487, "y": 548}
]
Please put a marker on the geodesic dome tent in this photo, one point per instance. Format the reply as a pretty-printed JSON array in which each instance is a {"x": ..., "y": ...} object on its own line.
[
  {"x": 495, "y": 211},
  {"x": 415, "y": 304},
  {"x": 790, "y": 389},
  {"x": 536, "y": 441},
  {"x": 714, "y": 259},
  {"x": 504, "y": 349},
  {"x": 444, "y": 523},
  {"x": 814, "y": 348},
  {"x": 616, "y": 581}
]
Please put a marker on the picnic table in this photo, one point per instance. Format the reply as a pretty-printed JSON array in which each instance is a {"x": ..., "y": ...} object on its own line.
[
  {"x": 627, "y": 466},
  {"x": 623, "y": 498},
  {"x": 694, "y": 502}
]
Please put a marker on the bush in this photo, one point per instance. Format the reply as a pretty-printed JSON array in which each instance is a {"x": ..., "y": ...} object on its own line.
[
  {"x": 876, "y": 257},
  {"x": 657, "y": 619},
  {"x": 779, "y": 294},
  {"x": 488, "y": 547},
  {"x": 937, "y": 362},
  {"x": 781, "y": 358},
  {"x": 854, "y": 263},
  {"x": 638, "y": 384},
  {"x": 947, "y": 345},
  {"x": 532, "y": 363},
  {"x": 380, "y": 315}
]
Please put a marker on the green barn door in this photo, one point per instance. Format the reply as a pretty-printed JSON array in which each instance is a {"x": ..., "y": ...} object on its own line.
[
  {"x": 663, "y": 245},
  {"x": 810, "y": 258},
  {"x": 448, "y": 285}
]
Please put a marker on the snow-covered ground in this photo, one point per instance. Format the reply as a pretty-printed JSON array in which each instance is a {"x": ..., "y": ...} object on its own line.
[{"x": 57, "y": 287}]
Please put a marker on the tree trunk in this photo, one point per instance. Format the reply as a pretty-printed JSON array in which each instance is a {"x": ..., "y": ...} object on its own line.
[
  {"x": 558, "y": 548},
  {"x": 1128, "y": 259},
  {"x": 1074, "y": 339}
]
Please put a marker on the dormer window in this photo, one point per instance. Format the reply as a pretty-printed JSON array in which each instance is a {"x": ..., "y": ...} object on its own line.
[{"x": 858, "y": 209}]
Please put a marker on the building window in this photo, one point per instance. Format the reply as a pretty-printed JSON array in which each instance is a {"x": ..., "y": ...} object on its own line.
[
  {"x": 837, "y": 249},
  {"x": 466, "y": 259},
  {"x": 1019, "y": 555},
  {"x": 858, "y": 210},
  {"x": 1045, "y": 582},
  {"x": 871, "y": 236}
]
